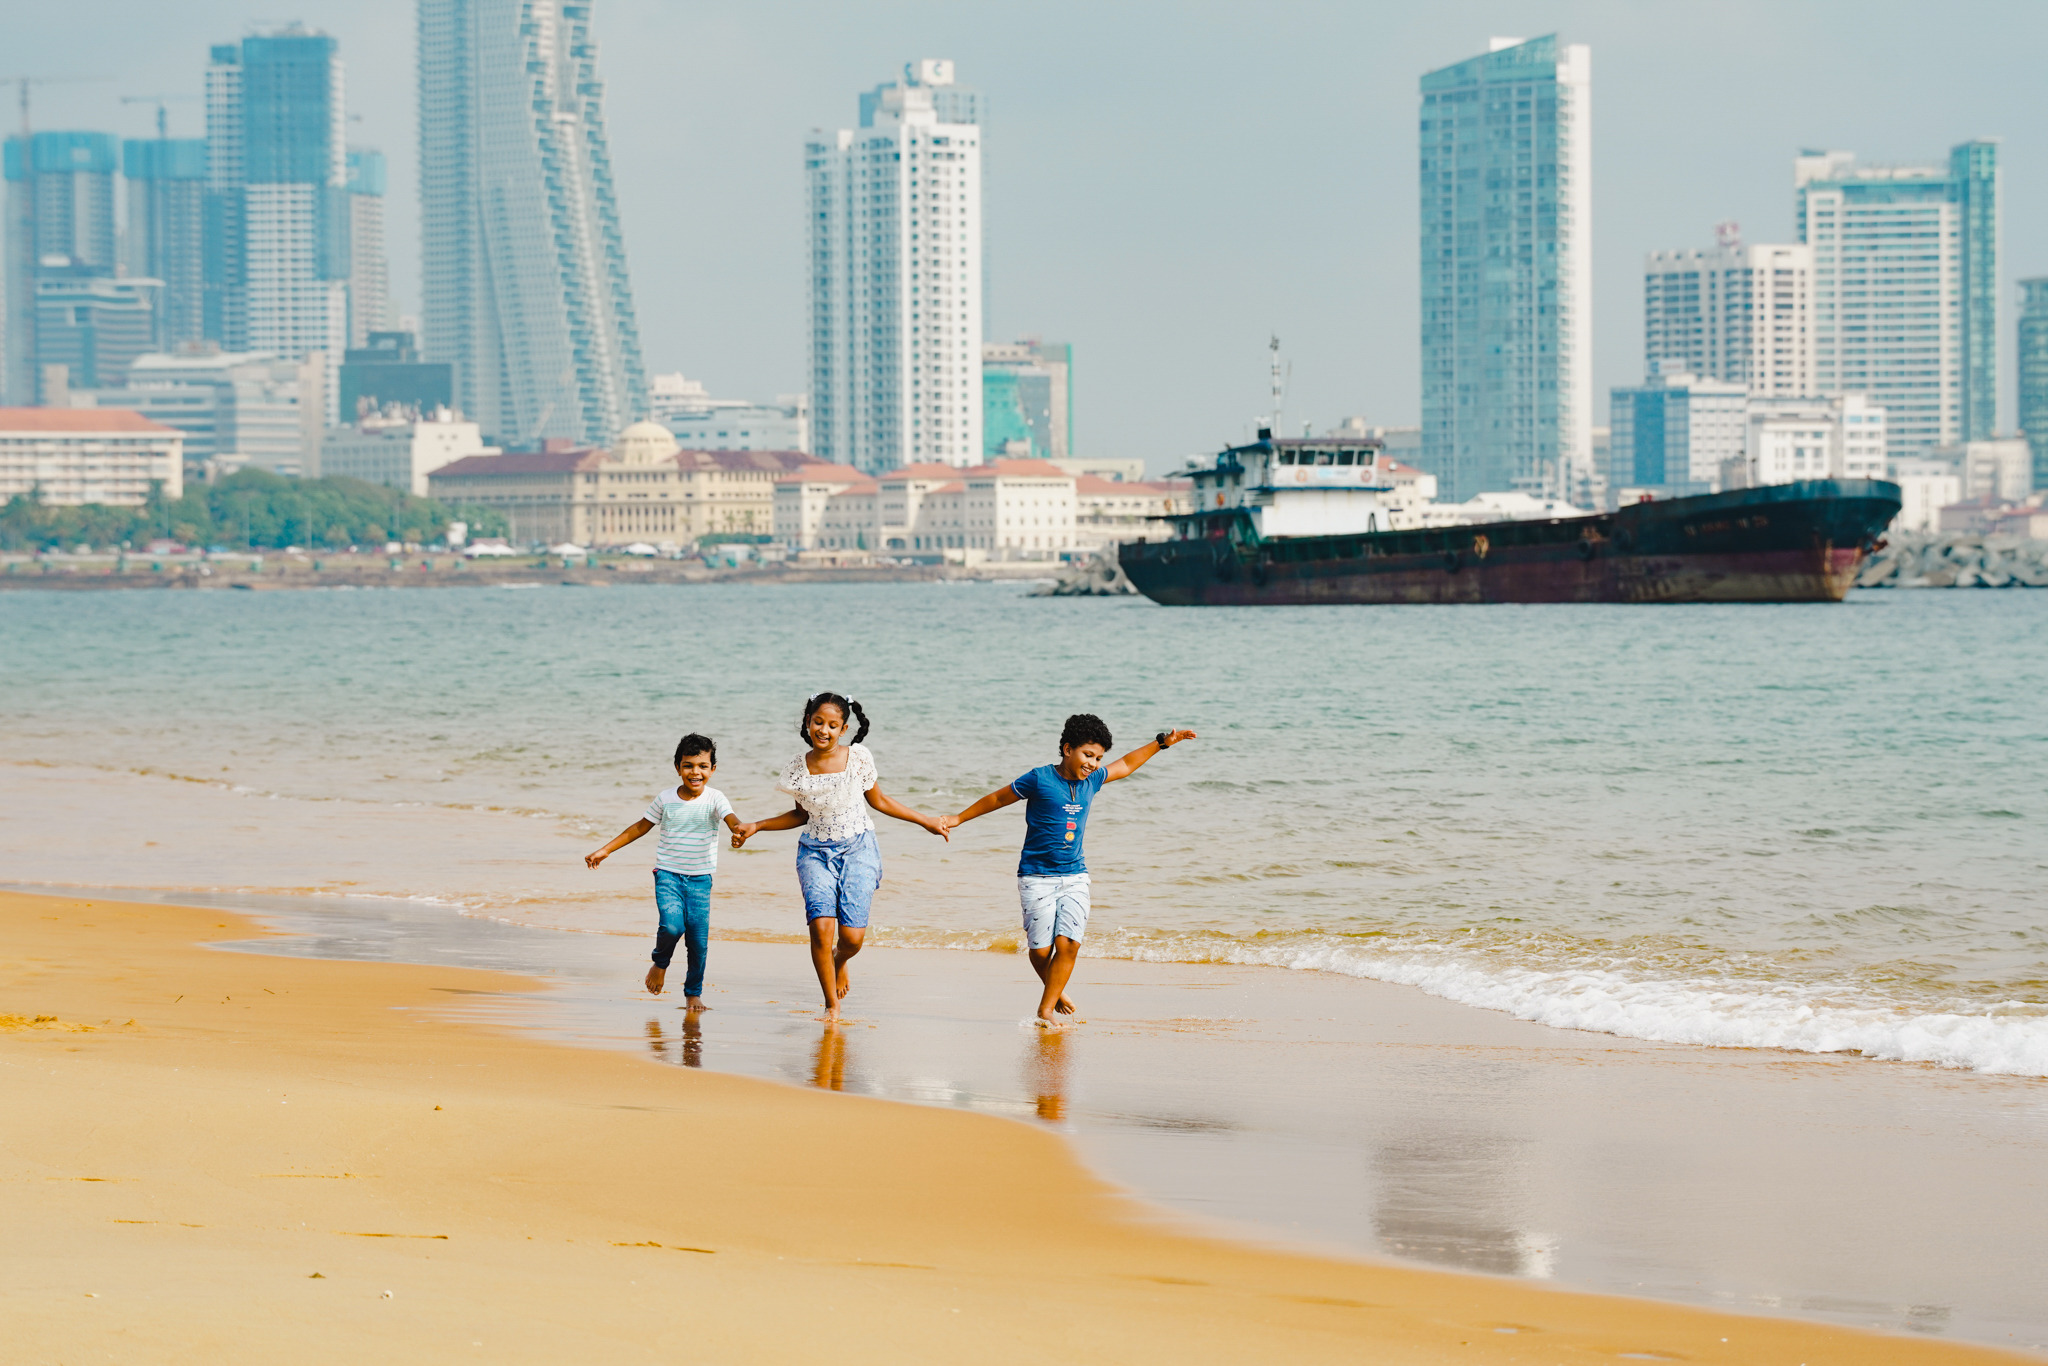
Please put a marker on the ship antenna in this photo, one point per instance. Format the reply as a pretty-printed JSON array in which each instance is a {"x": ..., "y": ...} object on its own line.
[{"x": 1279, "y": 384}]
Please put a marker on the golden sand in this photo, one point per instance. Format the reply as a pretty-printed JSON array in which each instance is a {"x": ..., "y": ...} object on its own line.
[{"x": 225, "y": 1157}]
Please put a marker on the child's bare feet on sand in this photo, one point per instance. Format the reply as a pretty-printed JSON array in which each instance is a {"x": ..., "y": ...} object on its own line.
[
  {"x": 1065, "y": 1005},
  {"x": 831, "y": 1015},
  {"x": 1045, "y": 1021},
  {"x": 655, "y": 977},
  {"x": 693, "y": 1004}
]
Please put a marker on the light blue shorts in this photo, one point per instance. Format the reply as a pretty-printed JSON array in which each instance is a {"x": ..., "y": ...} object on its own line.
[
  {"x": 1054, "y": 906},
  {"x": 839, "y": 880}
]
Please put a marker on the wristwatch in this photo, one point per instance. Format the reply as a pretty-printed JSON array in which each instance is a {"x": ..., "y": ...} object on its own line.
[{"x": 1160, "y": 739}]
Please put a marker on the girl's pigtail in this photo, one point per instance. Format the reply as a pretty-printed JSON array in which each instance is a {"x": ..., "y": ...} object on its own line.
[{"x": 862, "y": 715}]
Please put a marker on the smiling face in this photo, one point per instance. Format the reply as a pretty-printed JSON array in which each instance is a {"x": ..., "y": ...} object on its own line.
[
  {"x": 695, "y": 770},
  {"x": 1078, "y": 761},
  {"x": 825, "y": 727}
]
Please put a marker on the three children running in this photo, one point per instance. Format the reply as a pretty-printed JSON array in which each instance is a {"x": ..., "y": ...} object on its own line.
[{"x": 839, "y": 864}]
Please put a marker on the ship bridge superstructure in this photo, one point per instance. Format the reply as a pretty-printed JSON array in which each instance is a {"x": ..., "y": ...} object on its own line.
[{"x": 1295, "y": 486}]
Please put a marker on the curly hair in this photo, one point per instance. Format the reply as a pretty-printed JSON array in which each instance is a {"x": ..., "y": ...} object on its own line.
[
  {"x": 693, "y": 743},
  {"x": 1084, "y": 728}
]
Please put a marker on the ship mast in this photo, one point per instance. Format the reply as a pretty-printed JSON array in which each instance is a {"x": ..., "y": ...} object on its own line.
[{"x": 1279, "y": 385}]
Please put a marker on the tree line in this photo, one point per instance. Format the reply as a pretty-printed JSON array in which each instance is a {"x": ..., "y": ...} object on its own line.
[{"x": 252, "y": 508}]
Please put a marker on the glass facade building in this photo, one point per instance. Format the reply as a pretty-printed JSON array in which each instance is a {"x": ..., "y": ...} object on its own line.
[
  {"x": 1905, "y": 288},
  {"x": 1507, "y": 389},
  {"x": 166, "y": 213},
  {"x": 60, "y": 217},
  {"x": 523, "y": 257},
  {"x": 2033, "y": 348}
]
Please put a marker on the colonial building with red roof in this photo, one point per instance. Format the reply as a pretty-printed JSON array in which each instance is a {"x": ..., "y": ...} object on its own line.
[
  {"x": 644, "y": 489},
  {"x": 71, "y": 456}
]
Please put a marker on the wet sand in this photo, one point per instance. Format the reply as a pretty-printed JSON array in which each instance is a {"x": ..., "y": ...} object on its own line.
[{"x": 192, "y": 1135}]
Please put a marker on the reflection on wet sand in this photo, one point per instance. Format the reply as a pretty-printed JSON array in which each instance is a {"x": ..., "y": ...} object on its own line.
[
  {"x": 1045, "y": 1075},
  {"x": 691, "y": 1050},
  {"x": 828, "y": 1068},
  {"x": 1453, "y": 1190}
]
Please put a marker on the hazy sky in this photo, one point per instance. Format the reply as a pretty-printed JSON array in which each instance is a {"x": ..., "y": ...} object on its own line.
[{"x": 1166, "y": 184}]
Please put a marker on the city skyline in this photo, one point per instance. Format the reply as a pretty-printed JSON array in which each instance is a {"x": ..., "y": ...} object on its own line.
[{"x": 1167, "y": 300}]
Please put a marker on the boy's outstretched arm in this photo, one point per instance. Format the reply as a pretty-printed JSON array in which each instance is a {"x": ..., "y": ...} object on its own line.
[
  {"x": 744, "y": 830},
  {"x": 994, "y": 801},
  {"x": 889, "y": 806},
  {"x": 620, "y": 841},
  {"x": 1135, "y": 760}
]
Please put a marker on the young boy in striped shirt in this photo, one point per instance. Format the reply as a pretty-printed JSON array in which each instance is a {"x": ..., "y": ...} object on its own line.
[{"x": 685, "y": 857}]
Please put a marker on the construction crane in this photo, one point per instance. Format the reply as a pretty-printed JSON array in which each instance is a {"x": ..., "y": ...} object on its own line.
[{"x": 163, "y": 112}]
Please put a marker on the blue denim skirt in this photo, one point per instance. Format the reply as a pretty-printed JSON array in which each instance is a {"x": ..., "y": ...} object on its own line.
[{"x": 839, "y": 880}]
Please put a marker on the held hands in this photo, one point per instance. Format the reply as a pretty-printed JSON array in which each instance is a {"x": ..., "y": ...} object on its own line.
[
  {"x": 941, "y": 826},
  {"x": 744, "y": 832}
]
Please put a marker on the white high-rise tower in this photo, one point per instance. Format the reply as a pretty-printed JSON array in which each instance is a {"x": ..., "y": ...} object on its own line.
[
  {"x": 896, "y": 279},
  {"x": 522, "y": 257}
]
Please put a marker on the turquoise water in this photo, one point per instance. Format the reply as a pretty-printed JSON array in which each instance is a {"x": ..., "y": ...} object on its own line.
[{"x": 1803, "y": 826}]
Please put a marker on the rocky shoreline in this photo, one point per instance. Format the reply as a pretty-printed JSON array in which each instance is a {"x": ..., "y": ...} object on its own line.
[{"x": 1961, "y": 561}]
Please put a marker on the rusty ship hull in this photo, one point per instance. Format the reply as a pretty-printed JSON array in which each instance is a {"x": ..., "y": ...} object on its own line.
[{"x": 1799, "y": 542}]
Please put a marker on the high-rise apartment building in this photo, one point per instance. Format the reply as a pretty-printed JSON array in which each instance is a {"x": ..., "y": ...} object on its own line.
[
  {"x": 60, "y": 216},
  {"x": 369, "y": 271},
  {"x": 166, "y": 213},
  {"x": 1738, "y": 314},
  {"x": 896, "y": 277},
  {"x": 224, "y": 314},
  {"x": 1027, "y": 396},
  {"x": 2033, "y": 350},
  {"x": 277, "y": 218},
  {"x": 523, "y": 258},
  {"x": 1507, "y": 381},
  {"x": 1905, "y": 289}
]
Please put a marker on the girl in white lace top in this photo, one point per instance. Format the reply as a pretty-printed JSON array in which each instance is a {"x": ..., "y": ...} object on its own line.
[{"x": 838, "y": 863}]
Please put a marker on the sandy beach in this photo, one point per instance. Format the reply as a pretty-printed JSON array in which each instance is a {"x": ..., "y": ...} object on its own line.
[{"x": 235, "y": 1156}]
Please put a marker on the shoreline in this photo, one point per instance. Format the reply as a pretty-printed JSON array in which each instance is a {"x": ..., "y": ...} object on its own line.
[
  {"x": 1125, "y": 1143},
  {"x": 275, "y": 572},
  {"x": 483, "y": 1180}
]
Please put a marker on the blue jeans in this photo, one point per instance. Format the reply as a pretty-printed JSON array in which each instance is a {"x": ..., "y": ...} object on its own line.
[{"x": 683, "y": 901}]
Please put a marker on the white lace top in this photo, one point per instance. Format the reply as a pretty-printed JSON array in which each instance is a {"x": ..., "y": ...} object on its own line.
[{"x": 835, "y": 802}]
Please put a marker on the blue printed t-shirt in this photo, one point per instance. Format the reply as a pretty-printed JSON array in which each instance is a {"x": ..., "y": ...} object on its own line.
[{"x": 1055, "y": 819}]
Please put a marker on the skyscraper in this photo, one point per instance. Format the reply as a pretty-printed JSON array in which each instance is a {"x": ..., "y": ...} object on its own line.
[
  {"x": 166, "y": 210},
  {"x": 1905, "y": 297},
  {"x": 369, "y": 272},
  {"x": 60, "y": 217},
  {"x": 1027, "y": 396},
  {"x": 1507, "y": 381},
  {"x": 2034, "y": 373},
  {"x": 277, "y": 226},
  {"x": 1737, "y": 314},
  {"x": 896, "y": 277},
  {"x": 523, "y": 259}
]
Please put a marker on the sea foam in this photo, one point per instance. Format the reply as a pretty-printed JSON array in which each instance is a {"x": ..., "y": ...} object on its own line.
[{"x": 1664, "y": 1010}]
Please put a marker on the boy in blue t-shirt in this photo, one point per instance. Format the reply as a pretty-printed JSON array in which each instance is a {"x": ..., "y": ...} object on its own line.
[
  {"x": 1052, "y": 876},
  {"x": 685, "y": 857}
]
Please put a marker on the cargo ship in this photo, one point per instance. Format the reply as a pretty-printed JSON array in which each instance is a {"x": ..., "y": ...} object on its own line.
[{"x": 1311, "y": 520}]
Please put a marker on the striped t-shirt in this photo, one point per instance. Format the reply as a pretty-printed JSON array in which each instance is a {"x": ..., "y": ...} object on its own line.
[{"x": 689, "y": 830}]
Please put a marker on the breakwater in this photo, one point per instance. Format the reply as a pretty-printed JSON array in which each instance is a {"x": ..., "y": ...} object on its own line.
[{"x": 1957, "y": 561}]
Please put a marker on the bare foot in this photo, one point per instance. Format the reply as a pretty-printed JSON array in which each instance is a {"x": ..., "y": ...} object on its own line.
[
  {"x": 1065, "y": 1005},
  {"x": 693, "y": 1004},
  {"x": 1049, "y": 1022},
  {"x": 655, "y": 977},
  {"x": 845, "y": 985},
  {"x": 831, "y": 1015}
]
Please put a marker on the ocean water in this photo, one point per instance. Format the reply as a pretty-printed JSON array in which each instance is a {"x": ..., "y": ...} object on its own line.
[{"x": 1810, "y": 827}]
